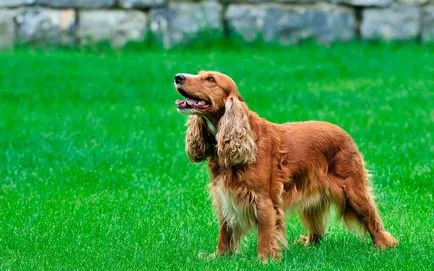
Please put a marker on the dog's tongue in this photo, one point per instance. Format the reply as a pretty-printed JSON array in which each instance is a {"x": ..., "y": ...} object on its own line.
[{"x": 191, "y": 102}]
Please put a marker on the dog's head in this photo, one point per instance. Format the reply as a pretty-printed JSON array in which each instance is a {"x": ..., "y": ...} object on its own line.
[
  {"x": 215, "y": 96},
  {"x": 206, "y": 93}
]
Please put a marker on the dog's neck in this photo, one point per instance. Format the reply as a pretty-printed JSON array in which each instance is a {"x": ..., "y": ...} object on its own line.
[
  {"x": 211, "y": 127},
  {"x": 212, "y": 121}
]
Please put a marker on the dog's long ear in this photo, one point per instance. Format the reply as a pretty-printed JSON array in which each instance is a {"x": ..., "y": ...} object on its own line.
[
  {"x": 198, "y": 141},
  {"x": 235, "y": 143}
]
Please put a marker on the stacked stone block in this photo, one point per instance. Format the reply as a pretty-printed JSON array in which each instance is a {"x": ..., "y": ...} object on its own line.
[{"x": 173, "y": 22}]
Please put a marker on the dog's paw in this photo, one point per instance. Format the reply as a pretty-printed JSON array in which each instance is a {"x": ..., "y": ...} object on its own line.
[
  {"x": 270, "y": 259},
  {"x": 385, "y": 240},
  {"x": 303, "y": 240},
  {"x": 308, "y": 240},
  {"x": 274, "y": 255}
]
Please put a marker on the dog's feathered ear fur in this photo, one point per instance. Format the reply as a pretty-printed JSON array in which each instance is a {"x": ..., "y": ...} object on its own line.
[
  {"x": 198, "y": 141},
  {"x": 235, "y": 143}
]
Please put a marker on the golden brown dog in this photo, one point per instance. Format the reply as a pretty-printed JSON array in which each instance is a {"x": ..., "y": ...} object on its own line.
[{"x": 261, "y": 169}]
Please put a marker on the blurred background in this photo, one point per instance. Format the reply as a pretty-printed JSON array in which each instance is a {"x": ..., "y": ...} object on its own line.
[{"x": 172, "y": 22}]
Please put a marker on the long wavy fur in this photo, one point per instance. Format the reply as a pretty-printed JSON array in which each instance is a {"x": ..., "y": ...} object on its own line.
[
  {"x": 198, "y": 141},
  {"x": 235, "y": 143}
]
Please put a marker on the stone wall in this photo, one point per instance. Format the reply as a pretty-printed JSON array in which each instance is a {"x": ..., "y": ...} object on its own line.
[{"x": 172, "y": 22}]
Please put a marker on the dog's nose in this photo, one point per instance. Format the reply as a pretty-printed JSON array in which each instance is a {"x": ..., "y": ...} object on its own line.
[{"x": 179, "y": 78}]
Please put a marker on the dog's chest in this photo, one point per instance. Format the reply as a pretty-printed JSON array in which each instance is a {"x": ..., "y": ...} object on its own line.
[{"x": 237, "y": 205}]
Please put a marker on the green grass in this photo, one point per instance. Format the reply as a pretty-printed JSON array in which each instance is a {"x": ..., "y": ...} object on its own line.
[{"x": 93, "y": 173}]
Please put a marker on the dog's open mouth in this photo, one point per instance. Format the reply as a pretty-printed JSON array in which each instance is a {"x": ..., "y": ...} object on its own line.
[{"x": 191, "y": 102}]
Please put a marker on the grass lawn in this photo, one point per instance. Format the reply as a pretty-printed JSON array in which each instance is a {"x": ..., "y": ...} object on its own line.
[{"x": 93, "y": 173}]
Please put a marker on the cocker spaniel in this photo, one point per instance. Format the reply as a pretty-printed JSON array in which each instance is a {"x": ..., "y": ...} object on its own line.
[{"x": 261, "y": 169}]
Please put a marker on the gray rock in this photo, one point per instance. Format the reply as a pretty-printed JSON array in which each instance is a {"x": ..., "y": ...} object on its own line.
[
  {"x": 399, "y": 22},
  {"x": 15, "y": 3},
  {"x": 116, "y": 26},
  {"x": 140, "y": 3},
  {"x": 413, "y": 2},
  {"x": 290, "y": 24},
  {"x": 366, "y": 3},
  {"x": 7, "y": 28},
  {"x": 246, "y": 21},
  {"x": 323, "y": 23},
  {"x": 77, "y": 3},
  {"x": 46, "y": 26},
  {"x": 428, "y": 23},
  {"x": 280, "y": 1},
  {"x": 180, "y": 23}
]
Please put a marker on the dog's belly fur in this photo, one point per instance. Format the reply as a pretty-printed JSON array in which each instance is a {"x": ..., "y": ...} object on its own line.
[{"x": 238, "y": 206}]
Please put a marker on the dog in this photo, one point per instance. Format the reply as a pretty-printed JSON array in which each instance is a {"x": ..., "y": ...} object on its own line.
[{"x": 260, "y": 169}]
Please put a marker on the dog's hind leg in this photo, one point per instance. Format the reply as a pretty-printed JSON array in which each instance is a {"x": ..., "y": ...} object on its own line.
[
  {"x": 358, "y": 205},
  {"x": 313, "y": 219}
]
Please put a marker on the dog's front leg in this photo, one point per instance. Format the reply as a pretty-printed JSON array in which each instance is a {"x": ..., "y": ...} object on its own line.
[
  {"x": 267, "y": 235},
  {"x": 225, "y": 236},
  {"x": 228, "y": 239}
]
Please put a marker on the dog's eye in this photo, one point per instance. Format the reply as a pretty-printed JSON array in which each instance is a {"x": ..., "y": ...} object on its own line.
[{"x": 210, "y": 79}]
